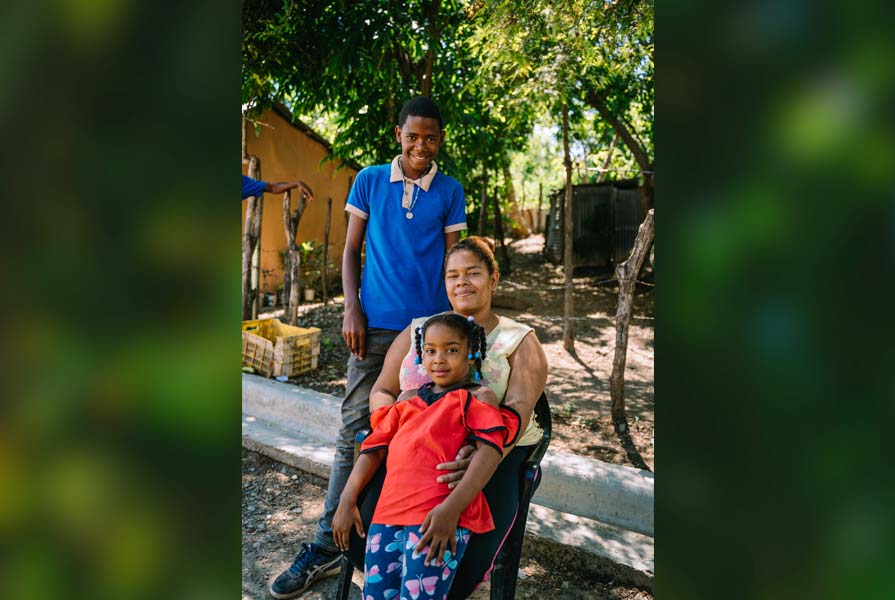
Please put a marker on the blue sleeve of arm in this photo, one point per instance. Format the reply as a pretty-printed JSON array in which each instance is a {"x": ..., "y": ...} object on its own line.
[
  {"x": 252, "y": 187},
  {"x": 358, "y": 196},
  {"x": 457, "y": 209}
]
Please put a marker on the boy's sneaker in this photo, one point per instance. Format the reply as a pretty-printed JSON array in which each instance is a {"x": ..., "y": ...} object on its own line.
[{"x": 311, "y": 565}]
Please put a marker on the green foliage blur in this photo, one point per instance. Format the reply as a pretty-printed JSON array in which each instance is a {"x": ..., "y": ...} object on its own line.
[
  {"x": 120, "y": 427},
  {"x": 775, "y": 250}
]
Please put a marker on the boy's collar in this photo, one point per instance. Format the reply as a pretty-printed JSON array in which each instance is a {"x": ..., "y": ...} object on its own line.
[{"x": 423, "y": 182}]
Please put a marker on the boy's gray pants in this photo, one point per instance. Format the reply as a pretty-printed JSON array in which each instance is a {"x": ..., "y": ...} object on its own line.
[{"x": 362, "y": 375}]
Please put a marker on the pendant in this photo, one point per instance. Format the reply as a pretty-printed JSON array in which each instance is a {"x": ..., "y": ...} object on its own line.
[{"x": 409, "y": 215}]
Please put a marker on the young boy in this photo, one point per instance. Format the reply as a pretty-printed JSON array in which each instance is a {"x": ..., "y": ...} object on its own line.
[{"x": 410, "y": 214}]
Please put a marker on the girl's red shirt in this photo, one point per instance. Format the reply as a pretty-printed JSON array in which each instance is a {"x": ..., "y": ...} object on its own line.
[{"x": 425, "y": 431}]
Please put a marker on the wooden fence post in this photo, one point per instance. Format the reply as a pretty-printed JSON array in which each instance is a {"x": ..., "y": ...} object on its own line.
[
  {"x": 568, "y": 258},
  {"x": 540, "y": 203},
  {"x": 291, "y": 219},
  {"x": 250, "y": 243},
  {"x": 498, "y": 233},
  {"x": 323, "y": 269}
]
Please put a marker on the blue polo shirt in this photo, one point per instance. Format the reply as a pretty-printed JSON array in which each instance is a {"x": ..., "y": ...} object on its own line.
[{"x": 402, "y": 277}]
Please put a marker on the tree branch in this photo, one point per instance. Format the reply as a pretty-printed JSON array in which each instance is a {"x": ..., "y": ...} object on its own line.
[{"x": 598, "y": 102}]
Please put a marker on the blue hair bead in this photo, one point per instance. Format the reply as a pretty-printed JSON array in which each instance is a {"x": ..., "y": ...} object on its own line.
[
  {"x": 478, "y": 354},
  {"x": 478, "y": 376},
  {"x": 469, "y": 355},
  {"x": 416, "y": 360}
]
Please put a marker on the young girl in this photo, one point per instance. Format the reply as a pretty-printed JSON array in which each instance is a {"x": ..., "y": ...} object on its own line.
[{"x": 420, "y": 527}]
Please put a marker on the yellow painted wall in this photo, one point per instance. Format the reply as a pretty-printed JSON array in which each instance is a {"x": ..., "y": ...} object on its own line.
[{"x": 288, "y": 153}]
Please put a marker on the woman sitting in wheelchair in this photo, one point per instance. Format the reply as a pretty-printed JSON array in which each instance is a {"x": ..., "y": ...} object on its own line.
[{"x": 421, "y": 527}]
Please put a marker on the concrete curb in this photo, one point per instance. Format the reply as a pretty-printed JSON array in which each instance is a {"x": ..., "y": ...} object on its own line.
[
  {"x": 288, "y": 447},
  {"x": 614, "y": 494},
  {"x": 604, "y": 509}
]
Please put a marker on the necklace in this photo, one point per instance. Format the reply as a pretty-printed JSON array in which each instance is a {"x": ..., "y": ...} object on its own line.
[
  {"x": 416, "y": 186},
  {"x": 416, "y": 196}
]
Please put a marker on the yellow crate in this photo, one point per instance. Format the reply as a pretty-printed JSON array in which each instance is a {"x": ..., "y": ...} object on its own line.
[
  {"x": 274, "y": 348},
  {"x": 257, "y": 353}
]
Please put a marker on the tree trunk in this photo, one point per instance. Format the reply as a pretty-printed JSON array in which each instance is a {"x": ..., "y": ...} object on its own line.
[
  {"x": 429, "y": 61},
  {"x": 538, "y": 227},
  {"x": 498, "y": 233},
  {"x": 602, "y": 174},
  {"x": 626, "y": 273},
  {"x": 291, "y": 219},
  {"x": 323, "y": 270},
  {"x": 426, "y": 86},
  {"x": 568, "y": 322},
  {"x": 521, "y": 229},
  {"x": 290, "y": 314},
  {"x": 250, "y": 238},
  {"x": 483, "y": 207}
]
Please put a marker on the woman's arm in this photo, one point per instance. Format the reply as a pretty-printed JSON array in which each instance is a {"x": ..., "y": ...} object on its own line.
[
  {"x": 485, "y": 394},
  {"x": 528, "y": 376},
  {"x": 388, "y": 386}
]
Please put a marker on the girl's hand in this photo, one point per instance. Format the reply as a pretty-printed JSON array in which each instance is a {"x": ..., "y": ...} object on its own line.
[
  {"x": 347, "y": 515},
  {"x": 458, "y": 466},
  {"x": 439, "y": 531}
]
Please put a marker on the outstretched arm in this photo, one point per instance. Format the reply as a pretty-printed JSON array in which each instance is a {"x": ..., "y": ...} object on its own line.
[{"x": 281, "y": 186}]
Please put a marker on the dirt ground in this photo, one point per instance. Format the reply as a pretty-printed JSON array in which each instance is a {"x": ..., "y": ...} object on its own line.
[
  {"x": 281, "y": 505},
  {"x": 578, "y": 382}
]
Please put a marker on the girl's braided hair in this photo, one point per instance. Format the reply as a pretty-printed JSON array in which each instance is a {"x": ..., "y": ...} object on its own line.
[{"x": 475, "y": 335}]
